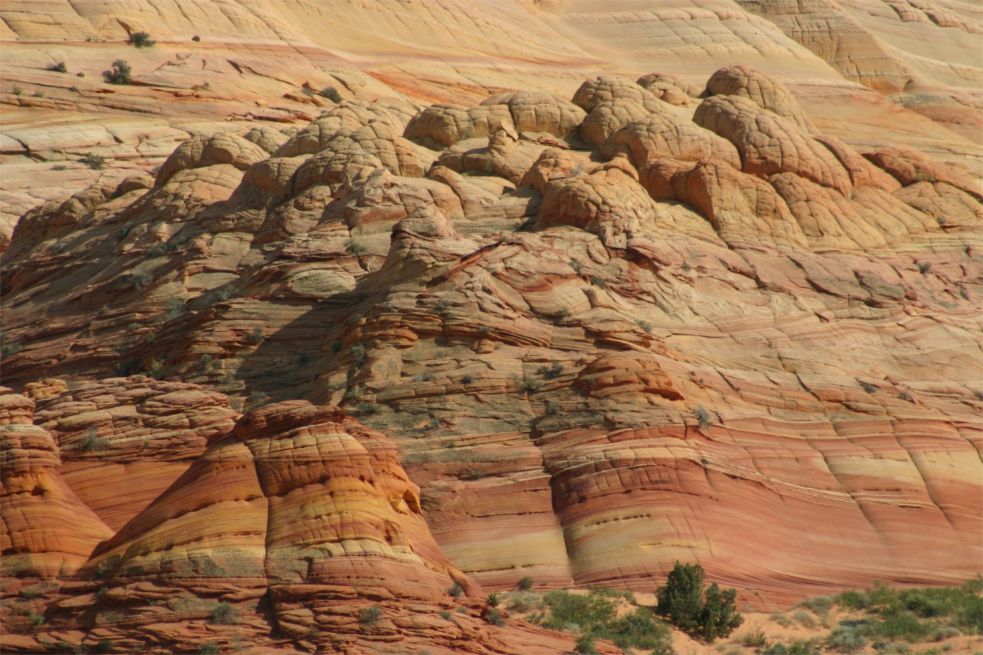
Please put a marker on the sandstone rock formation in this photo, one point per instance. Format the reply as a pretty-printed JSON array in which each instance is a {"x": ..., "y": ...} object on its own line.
[{"x": 381, "y": 329}]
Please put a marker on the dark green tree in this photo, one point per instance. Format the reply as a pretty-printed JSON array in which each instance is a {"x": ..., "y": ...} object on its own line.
[
  {"x": 703, "y": 613},
  {"x": 681, "y": 599},
  {"x": 719, "y": 617}
]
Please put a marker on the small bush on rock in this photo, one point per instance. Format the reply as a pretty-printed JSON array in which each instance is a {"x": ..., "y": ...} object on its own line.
[
  {"x": 369, "y": 615},
  {"x": 120, "y": 73},
  {"x": 141, "y": 40},
  {"x": 330, "y": 93},
  {"x": 223, "y": 614}
]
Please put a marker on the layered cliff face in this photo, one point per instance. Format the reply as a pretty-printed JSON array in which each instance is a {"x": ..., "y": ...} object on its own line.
[
  {"x": 309, "y": 374},
  {"x": 296, "y": 531}
]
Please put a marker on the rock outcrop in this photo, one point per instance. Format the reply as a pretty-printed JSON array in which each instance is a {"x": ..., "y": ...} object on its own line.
[{"x": 378, "y": 338}]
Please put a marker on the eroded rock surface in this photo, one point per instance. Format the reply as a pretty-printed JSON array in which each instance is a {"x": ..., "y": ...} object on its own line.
[{"x": 443, "y": 334}]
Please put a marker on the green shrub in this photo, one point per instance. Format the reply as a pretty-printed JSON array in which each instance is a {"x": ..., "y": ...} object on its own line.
[
  {"x": 898, "y": 624},
  {"x": 705, "y": 614},
  {"x": 493, "y": 599},
  {"x": 256, "y": 335},
  {"x": 104, "y": 646},
  {"x": 868, "y": 387},
  {"x": 224, "y": 614},
  {"x": 754, "y": 639},
  {"x": 120, "y": 73},
  {"x": 854, "y": 600},
  {"x": 702, "y": 416},
  {"x": 35, "y": 618},
  {"x": 640, "y": 630},
  {"x": 595, "y": 614},
  {"x": 208, "y": 649},
  {"x": 552, "y": 372},
  {"x": 719, "y": 617},
  {"x": 525, "y": 583},
  {"x": 330, "y": 93},
  {"x": 913, "y": 614},
  {"x": 804, "y": 619},
  {"x": 588, "y": 611},
  {"x": 94, "y": 161},
  {"x": 456, "y": 590},
  {"x": 681, "y": 599},
  {"x": 810, "y": 647},
  {"x": 586, "y": 645},
  {"x": 92, "y": 442},
  {"x": 141, "y": 40},
  {"x": 495, "y": 618},
  {"x": 369, "y": 615},
  {"x": 846, "y": 639},
  {"x": 58, "y": 67}
]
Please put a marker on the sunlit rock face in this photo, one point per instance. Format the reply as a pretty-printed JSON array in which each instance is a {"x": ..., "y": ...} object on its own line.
[{"x": 455, "y": 328}]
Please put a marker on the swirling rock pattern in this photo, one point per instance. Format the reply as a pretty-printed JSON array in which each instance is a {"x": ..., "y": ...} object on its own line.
[{"x": 418, "y": 331}]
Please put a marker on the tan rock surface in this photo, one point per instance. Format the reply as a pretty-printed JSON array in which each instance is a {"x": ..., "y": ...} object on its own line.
[{"x": 470, "y": 331}]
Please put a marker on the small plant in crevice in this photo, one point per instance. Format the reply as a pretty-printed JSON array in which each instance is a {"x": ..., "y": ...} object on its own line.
[
  {"x": 525, "y": 583},
  {"x": 924, "y": 267},
  {"x": 141, "y": 40},
  {"x": 155, "y": 369},
  {"x": 867, "y": 386},
  {"x": 119, "y": 73},
  {"x": 58, "y": 67},
  {"x": 369, "y": 616},
  {"x": 330, "y": 93},
  {"x": 92, "y": 442},
  {"x": 702, "y": 417},
  {"x": 456, "y": 590},
  {"x": 358, "y": 354},
  {"x": 366, "y": 409},
  {"x": 135, "y": 280},
  {"x": 173, "y": 308},
  {"x": 493, "y": 599},
  {"x": 223, "y": 614},
  {"x": 256, "y": 335},
  {"x": 93, "y": 161},
  {"x": 906, "y": 396},
  {"x": 552, "y": 372}
]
